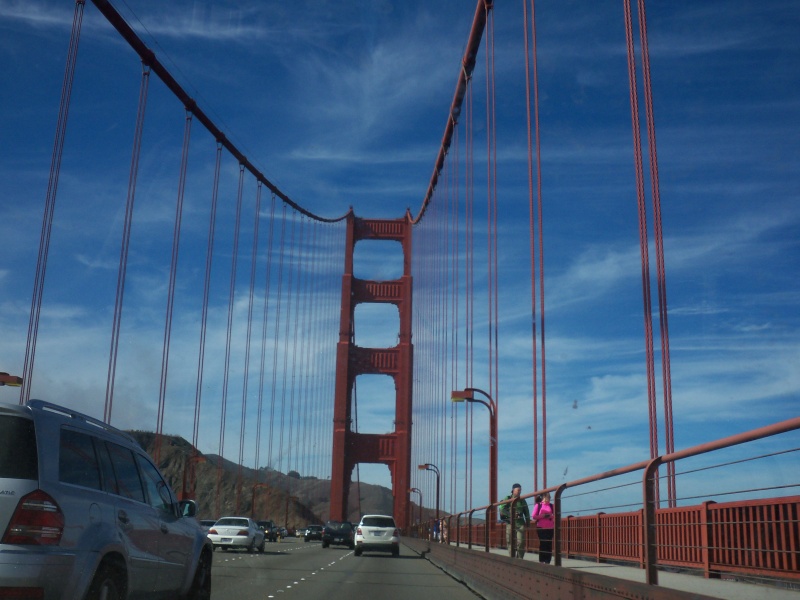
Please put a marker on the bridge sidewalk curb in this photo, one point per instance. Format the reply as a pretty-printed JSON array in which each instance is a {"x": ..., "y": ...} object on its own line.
[{"x": 495, "y": 576}]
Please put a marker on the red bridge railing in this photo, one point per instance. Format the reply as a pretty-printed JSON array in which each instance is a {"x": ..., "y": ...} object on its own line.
[
  {"x": 752, "y": 537},
  {"x": 756, "y": 537}
]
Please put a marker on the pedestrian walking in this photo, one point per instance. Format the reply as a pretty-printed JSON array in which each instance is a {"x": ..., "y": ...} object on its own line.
[{"x": 522, "y": 518}]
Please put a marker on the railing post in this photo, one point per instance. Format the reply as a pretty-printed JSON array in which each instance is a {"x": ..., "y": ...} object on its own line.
[
  {"x": 487, "y": 530},
  {"x": 649, "y": 481},
  {"x": 469, "y": 528},
  {"x": 705, "y": 539},
  {"x": 598, "y": 537},
  {"x": 458, "y": 530},
  {"x": 557, "y": 524}
]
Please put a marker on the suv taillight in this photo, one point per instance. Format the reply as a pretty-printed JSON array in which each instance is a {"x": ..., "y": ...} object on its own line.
[
  {"x": 37, "y": 520},
  {"x": 358, "y": 531},
  {"x": 396, "y": 533}
]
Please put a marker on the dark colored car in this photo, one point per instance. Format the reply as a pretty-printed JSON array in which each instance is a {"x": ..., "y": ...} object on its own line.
[
  {"x": 314, "y": 532},
  {"x": 270, "y": 530},
  {"x": 340, "y": 533}
]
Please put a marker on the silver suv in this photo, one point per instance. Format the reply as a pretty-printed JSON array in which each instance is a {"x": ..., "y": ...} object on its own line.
[{"x": 85, "y": 514}]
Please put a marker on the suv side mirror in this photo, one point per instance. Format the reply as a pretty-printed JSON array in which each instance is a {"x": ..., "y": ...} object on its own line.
[{"x": 187, "y": 508}]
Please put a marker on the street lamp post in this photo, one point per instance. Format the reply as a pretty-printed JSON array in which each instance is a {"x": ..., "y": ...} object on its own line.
[
  {"x": 468, "y": 395},
  {"x": 419, "y": 520},
  {"x": 432, "y": 467}
]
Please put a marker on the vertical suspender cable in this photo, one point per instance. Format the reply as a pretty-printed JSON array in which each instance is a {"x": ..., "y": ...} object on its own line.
[
  {"x": 533, "y": 125},
  {"x": 286, "y": 339},
  {"x": 276, "y": 336},
  {"x": 246, "y": 366},
  {"x": 648, "y": 324},
  {"x": 50, "y": 203},
  {"x": 173, "y": 274},
  {"x": 319, "y": 314},
  {"x": 309, "y": 302},
  {"x": 336, "y": 240},
  {"x": 264, "y": 327},
  {"x": 470, "y": 238},
  {"x": 491, "y": 158},
  {"x": 659, "y": 241},
  {"x": 297, "y": 316},
  {"x": 212, "y": 223},
  {"x": 289, "y": 316},
  {"x": 531, "y": 237},
  {"x": 126, "y": 240},
  {"x": 228, "y": 334}
]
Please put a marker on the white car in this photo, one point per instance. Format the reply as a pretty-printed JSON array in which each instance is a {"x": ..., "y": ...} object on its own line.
[
  {"x": 237, "y": 532},
  {"x": 377, "y": 532}
]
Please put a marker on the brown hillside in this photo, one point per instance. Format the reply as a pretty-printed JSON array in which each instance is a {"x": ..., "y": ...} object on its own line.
[{"x": 290, "y": 500}]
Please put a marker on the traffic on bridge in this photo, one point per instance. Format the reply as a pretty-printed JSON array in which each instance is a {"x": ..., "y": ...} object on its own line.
[{"x": 399, "y": 299}]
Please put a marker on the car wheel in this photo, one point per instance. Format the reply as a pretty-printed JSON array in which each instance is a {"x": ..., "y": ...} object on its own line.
[
  {"x": 357, "y": 552},
  {"x": 325, "y": 544},
  {"x": 201, "y": 584},
  {"x": 108, "y": 584},
  {"x": 251, "y": 548},
  {"x": 395, "y": 551},
  {"x": 263, "y": 545},
  {"x": 352, "y": 546}
]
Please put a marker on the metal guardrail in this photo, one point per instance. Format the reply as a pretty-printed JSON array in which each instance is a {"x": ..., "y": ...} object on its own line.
[{"x": 757, "y": 537}]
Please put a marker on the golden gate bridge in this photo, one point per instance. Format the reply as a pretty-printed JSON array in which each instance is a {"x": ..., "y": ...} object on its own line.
[{"x": 299, "y": 378}]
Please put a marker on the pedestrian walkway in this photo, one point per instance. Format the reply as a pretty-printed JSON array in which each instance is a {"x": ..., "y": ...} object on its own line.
[{"x": 686, "y": 582}]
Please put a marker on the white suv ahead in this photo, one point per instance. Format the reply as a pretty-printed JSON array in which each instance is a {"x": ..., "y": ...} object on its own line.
[
  {"x": 85, "y": 514},
  {"x": 377, "y": 532}
]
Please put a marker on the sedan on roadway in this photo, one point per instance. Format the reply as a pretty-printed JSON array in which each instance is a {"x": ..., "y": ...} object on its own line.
[
  {"x": 236, "y": 532},
  {"x": 377, "y": 532}
]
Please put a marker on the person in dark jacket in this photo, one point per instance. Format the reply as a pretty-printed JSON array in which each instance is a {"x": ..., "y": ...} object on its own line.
[{"x": 522, "y": 518}]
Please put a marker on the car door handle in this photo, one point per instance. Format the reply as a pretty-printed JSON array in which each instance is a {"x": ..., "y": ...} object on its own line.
[
  {"x": 164, "y": 528},
  {"x": 123, "y": 517}
]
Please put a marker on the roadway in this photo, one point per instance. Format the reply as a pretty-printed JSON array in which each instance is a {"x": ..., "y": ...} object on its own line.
[{"x": 293, "y": 569}]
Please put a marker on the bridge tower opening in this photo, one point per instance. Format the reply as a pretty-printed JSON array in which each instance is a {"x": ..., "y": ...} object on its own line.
[{"x": 351, "y": 447}]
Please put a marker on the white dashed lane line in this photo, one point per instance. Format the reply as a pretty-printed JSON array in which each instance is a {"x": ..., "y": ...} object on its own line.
[{"x": 302, "y": 579}]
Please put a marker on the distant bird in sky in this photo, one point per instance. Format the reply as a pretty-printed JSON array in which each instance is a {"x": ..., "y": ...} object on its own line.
[{"x": 574, "y": 404}]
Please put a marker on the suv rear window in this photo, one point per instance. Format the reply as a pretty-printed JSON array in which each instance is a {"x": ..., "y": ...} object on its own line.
[
  {"x": 18, "y": 455},
  {"x": 378, "y": 522}
]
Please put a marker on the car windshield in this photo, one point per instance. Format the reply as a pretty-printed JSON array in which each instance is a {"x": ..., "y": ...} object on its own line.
[
  {"x": 339, "y": 526},
  {"x": 377, "y": 522},
  {"x": 232, "y": 522},
  {"x": 18, "y": 455}
]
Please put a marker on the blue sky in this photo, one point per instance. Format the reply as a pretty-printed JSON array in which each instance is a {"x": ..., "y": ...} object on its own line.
[{"x": 344, "y": 105}]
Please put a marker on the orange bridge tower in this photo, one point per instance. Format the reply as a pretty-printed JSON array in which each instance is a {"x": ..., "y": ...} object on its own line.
[{"x": 350, "y": 447}]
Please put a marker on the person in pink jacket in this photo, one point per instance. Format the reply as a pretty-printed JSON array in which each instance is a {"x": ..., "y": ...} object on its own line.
[{"x": 544, "y": 517}]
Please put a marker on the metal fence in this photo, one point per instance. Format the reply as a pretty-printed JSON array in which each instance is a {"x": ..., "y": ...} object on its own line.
[{"x": 757, "y": 538}]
